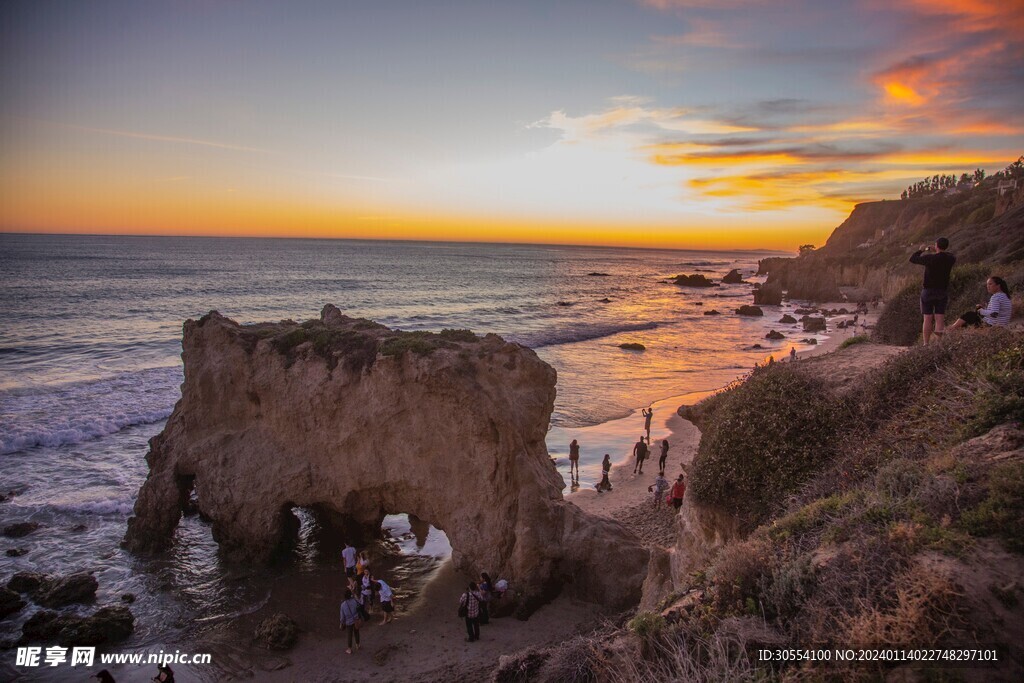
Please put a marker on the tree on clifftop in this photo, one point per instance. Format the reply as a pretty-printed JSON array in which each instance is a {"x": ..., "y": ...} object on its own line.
[{"x": 806, "y": 249}]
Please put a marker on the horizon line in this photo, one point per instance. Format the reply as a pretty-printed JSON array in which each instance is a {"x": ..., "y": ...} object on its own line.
[{"x": 400, "y": 241}]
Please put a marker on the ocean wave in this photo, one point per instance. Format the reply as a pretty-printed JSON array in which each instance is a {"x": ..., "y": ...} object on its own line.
[
  {"x": 70, "y": 414},
  {"x": 98, "y": 507},
  {"x": 579, "y": 333}
]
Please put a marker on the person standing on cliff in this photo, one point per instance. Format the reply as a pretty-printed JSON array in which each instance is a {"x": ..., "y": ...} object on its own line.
[
  {"x": 935, "y": 291},
  {"x": 640, "y": 453},
  {"x": 574, "y": 460},
  {"x": 647, "y": 413}
]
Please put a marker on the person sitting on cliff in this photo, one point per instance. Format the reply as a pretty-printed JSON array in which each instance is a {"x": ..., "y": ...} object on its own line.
[
  {"x": 647, "y": 413},
  {"x": 998, "y": 311},
  {"x": 574, "y": 459},
  {"x": 349, "y": 556},
  {"x": 640, "y": 452},
  {"x": 658, "y": 488},
  {"x": 606, "y": 467},
  {"x": 678, "y": 491},
  {"x": 935, "y": 289}
]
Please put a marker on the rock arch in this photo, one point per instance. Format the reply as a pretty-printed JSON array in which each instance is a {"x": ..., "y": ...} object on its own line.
[{"x": 358, "y": 421}]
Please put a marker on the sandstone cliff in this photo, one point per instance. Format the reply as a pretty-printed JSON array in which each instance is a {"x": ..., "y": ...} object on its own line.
[
  {"x": 869, "y": 251},
  {"x": 356, "y": 421}
]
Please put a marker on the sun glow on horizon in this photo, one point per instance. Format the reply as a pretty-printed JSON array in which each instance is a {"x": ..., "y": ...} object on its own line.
[{"x": 708, "y": 135}]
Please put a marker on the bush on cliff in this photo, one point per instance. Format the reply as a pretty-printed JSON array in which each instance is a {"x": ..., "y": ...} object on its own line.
[{"x": 765, "y": 438}]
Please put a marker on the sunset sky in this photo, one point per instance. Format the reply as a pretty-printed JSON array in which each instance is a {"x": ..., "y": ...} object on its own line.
[{"x": 662, "y": 123}]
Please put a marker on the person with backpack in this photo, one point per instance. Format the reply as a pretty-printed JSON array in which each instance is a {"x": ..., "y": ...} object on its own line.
[
  {"x": 469, "y": 609},
  {"x": 351, "y": 620}
]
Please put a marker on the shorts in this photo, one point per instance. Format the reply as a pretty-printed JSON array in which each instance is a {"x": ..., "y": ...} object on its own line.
[
  {"x": 677, "y": 503},
  {"x": 933, "y": 301},
  {"x": 350, "y": 572},
  {"x": 386, "y": 606}
]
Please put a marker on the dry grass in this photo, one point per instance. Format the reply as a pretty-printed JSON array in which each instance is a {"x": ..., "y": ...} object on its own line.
[{"x": 925, "y": 611}]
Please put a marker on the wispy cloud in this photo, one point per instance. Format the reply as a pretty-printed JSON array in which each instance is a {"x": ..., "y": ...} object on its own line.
[{"x": 160, "y": 138}]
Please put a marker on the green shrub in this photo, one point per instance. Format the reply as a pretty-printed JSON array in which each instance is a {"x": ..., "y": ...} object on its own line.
[
  {"x": 647, "y": 624},
  {"x": 354, "y": 349},
  {"x": 859, "y": 339},
  {"x": 1001, "y": 513},
  {"x": 767, "y": 436},
  {"x": 458, "y": 335},
  {"x": 999, "y": 391}
]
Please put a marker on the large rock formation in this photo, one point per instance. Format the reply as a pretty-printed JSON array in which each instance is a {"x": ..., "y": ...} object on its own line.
[{"x": 355, "y": 421}]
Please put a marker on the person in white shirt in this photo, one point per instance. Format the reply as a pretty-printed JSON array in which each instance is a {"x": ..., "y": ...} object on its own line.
[
  {"x": 997, "y": 312},
  {"x": 349, "y": 555},
  {"x": 387, "y": 595}
]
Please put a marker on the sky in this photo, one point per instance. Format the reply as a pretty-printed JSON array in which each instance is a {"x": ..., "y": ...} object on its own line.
[{"x": 702, "y": 124}]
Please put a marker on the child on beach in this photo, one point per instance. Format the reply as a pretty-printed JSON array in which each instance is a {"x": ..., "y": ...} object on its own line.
[{"x": 659, "y": 488}]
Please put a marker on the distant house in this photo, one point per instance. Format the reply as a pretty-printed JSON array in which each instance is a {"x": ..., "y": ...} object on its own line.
[{"x": 1006, "y": 185}]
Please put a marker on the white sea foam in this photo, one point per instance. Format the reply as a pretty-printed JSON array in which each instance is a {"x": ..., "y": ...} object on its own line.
[
  {"x": 73, "y": 413},
  {"x": 577, "y": 333}
]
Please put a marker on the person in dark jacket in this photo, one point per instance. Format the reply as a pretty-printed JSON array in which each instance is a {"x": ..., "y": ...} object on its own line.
[{"x": 935, "y": 291}]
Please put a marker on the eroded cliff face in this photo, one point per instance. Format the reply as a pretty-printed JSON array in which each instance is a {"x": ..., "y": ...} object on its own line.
[{"x": 356, "y": 421}]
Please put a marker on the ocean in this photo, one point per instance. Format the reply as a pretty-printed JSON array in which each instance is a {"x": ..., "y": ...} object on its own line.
[{"x": 90, "y": 369}]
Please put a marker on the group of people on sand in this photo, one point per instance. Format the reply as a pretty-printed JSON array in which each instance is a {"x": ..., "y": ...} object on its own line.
[
  {"x": 938, "y": 266},
  {"x": 641, "y": 452},
  {"x": 475, "y": 604},
  {"x": 363, "y": 589}
]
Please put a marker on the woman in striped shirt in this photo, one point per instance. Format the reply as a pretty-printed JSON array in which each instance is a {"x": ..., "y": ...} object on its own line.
[{"x": 998, "y": 310}]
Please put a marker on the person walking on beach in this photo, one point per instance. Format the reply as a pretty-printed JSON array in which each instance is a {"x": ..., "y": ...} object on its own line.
[
  {"x": 350, "y": 620},
  {"x": 574, "y": 461},
  {"x": 659, "y": 488},
  {"x": 647, "y": 413},
  {"x": 935, "y": 289},
  {"x": 606, "y": 467},
  {"x": 469, "y": 609},
  {"x": 664, "y": 455},
  {"x": 640, "y": 452},
  {"x": 366, "y": 588},
  {"x": 387, "y": 596},
  {"x": 792, "y": 354},
  {"x": 678, "y": 491},
  {"x": 349, "y": 556}
]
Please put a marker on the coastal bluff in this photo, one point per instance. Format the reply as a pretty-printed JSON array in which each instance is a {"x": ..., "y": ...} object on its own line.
[{"x": 354, "y": 421}]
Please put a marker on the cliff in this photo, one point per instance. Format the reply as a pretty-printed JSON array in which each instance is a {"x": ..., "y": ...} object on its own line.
[
  {"x": 355, "y": 421},
  {"x": 867, "y": 254}
]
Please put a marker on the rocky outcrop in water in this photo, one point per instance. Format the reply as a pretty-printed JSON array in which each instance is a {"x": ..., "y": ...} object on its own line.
[
  {"x": 696, "y": 280},
  {"x": 733, "y": 277},
  {"x": 354, "y": 421}
]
